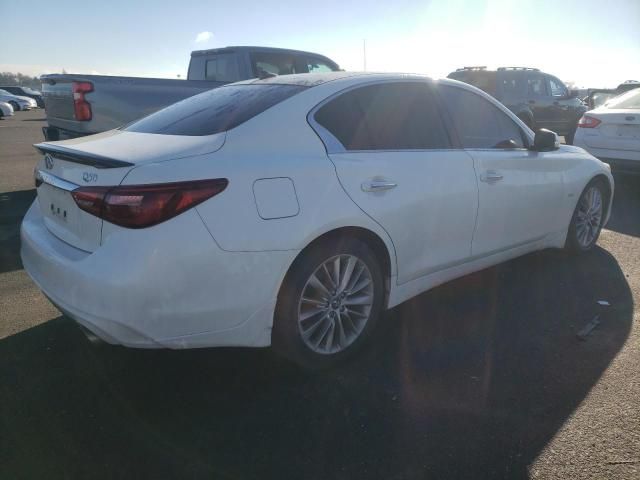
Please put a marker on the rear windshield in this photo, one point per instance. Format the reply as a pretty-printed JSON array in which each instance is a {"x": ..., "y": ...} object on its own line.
[
  {"x": 629, "y": 100},
  {"x": 214, "y": 111}
]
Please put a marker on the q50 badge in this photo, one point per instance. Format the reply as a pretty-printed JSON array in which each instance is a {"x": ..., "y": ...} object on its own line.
[{"x": 89, "y": 177}]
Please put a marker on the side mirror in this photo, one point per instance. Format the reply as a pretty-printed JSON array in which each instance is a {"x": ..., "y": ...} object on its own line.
[{"x": 545, "y": 141}]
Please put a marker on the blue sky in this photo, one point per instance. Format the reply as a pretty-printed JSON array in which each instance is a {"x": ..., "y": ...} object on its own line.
[{"x": 589, "y": 42}]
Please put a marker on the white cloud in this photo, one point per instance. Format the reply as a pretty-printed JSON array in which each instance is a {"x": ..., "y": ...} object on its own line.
[{"x": 203, "y": 37}]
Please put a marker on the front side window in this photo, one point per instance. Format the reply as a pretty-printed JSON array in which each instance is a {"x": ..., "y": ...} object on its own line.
[
  {"x": 214, "y": 111},
  {"x": 479, "y": 123},
  {"x": 557, "y": 88},
  {"x": 536, "y": 86},
  {"x": 222, "y": 68},
  {"x": 316, "y": 65},
  {"x": 276, "y": 63},
  {"x": 385, "y": 116}
]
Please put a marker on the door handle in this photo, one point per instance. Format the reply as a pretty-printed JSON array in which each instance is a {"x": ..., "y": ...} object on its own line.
[
  {"x": 377, "y": 185},
  {"x": 491, "y": 176}
]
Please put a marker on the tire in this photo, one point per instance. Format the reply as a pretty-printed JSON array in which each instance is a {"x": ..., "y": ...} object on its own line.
[
  {"x": 334, "y": 328},
  {"x": 568, "y": 138},
  {"x": 16, "y": 107},
  {"x": 586, "y": 222}
]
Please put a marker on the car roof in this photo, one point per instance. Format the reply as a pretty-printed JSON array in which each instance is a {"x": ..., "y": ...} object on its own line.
[
  {"x": 241, "y": 48},
  {"x": 315, "y": 79}
]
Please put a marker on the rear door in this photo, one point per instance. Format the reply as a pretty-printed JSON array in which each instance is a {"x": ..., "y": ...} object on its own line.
[
  {"x": 519, "y": 190},
  {"x": 393, "y": 156}
]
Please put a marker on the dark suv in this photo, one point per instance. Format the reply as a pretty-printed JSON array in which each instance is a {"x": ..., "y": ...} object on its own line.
[{"x": 540, "y": 100}]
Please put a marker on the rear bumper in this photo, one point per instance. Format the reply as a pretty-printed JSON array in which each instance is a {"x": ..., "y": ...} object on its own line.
[{"x": 154, "y": 287}]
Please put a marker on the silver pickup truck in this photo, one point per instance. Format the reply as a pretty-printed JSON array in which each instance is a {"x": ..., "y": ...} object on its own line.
[{"x": 78, "y": 105}]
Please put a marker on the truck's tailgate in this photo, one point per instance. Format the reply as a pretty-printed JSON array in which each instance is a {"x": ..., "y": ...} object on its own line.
[{"x": 58, "y": 99}]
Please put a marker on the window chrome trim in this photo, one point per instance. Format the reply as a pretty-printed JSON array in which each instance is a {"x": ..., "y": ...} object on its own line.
[
  {"x": 54, "y": 181},
  {"x": 333, "y": 145}
]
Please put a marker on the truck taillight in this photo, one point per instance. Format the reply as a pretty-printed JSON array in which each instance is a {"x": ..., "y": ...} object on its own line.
[
  {"x": 140, "y": 206},
  {"x": 81, "y": 107}
]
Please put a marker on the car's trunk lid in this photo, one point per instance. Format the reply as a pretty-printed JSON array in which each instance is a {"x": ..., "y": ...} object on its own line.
[
  {"x": 620, "y": 126},
  {"x": 100, "y": 160}
]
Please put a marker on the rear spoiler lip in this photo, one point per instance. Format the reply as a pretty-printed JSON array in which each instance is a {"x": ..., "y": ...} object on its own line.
[{"x": 77, "y": 156}]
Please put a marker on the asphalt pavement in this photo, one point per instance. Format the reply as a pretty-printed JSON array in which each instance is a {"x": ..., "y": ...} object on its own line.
[{"x": 483, "y": 377}]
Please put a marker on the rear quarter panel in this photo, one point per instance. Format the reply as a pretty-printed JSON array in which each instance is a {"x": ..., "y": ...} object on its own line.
[{"x": 268, "y": 146}]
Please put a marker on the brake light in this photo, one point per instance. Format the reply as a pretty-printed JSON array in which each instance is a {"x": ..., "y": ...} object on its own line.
[
  {"x": 140, "y": 206},
  {"x": 588, "y": 122},
  {"x": 81, "y": 108}
]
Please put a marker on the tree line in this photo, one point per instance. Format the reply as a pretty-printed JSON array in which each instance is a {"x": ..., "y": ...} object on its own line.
[{"x": 8, "y": 78}]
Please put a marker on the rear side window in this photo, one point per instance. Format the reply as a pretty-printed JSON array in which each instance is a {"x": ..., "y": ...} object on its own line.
[
  {"x": 511, "y": 84},
  {"x": 222, "y": 68},
  {"x": 214, "y": 111},
  {"x": 387, "y": 116},
  {"x": 479, "y": 123}
]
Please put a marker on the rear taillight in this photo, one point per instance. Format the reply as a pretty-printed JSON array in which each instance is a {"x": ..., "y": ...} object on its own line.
[
  {"x": 81, "y": 108},
  {"x": 588, "y": 122},
  {"x": 140, "y": 206}
]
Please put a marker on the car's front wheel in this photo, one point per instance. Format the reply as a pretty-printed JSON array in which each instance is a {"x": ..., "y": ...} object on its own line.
[
  {"x": 15, "y": 106},
  {"x": 329, "y": 303},
  {"x": 587, "y": 219}
]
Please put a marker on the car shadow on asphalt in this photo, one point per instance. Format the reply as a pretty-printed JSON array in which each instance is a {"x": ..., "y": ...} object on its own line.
[
  {"x": 625, "y": 214},
  {"x": 13, "y": 206},
  {"x": 469, "y": 380}
]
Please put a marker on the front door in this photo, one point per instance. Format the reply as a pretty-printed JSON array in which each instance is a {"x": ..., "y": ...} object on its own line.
[{"x": 518, "y": 190}]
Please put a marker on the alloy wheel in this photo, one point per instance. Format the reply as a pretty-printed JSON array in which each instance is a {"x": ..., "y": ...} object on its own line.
[
  {"x": 589, "y": 216},
  {"x": 336, "y": 304}
]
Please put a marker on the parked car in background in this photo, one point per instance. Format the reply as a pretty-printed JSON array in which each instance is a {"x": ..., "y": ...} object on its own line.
[
  {"x": 291, "y": 211},
  {"x": 612, "y": 132},
  {"x": 6, "y": 110},
  {"x": 599, "y": 96},
  {"x": 80, "y": 105},
  {"x": 538, "y": 99},
  {"x": 17, "y": 102},
  {"x": 25, "y": 92}
]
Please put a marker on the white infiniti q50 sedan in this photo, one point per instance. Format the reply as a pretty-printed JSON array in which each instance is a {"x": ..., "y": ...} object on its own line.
[{"x": 291, "y": 211}]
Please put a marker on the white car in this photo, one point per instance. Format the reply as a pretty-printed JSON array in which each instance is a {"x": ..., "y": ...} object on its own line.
[
  {"x": 293, "y": 210},
  {"x": 6, "y": 110},
  {"x": 16, "y": 101},
  {"x": 612, "y": 132}
]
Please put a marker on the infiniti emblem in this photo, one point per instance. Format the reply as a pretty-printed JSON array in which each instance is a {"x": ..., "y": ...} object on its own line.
[{"x": 48, "y": 161}]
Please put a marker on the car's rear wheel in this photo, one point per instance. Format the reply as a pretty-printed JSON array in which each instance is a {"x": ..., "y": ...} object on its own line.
[
  {"x": 587, "y": 219},
  {"x": 329, "y": 303}
]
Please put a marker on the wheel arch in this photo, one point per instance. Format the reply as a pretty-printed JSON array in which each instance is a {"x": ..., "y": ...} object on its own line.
[
  {"x": 602, "y": 178},
  {"x": 372, "y": 239}
]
